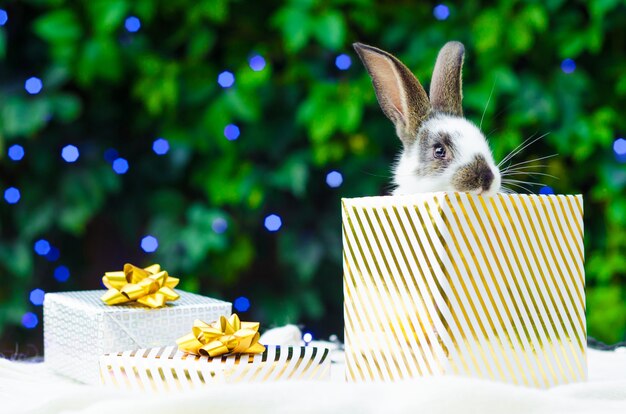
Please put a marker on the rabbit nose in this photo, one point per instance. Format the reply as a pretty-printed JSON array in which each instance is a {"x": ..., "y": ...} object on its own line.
[{"x": 486, "y": 178}]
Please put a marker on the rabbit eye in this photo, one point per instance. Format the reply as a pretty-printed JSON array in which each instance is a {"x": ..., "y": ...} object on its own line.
[{"x": 439, "y": 152}]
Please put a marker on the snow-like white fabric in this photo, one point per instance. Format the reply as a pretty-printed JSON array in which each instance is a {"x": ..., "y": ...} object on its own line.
[
  {"x": 288, "y": 335},
  {"x": 31, "y": 388}
]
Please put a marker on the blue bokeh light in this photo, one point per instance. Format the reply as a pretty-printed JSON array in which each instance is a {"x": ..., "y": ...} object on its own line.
[
  {"x": 545, "y": 190},
  {"x": 226, "y": 79},
  {"x": 149, "y": 244},
  {"x": 111, "y": 155},
  {"x": 343, "y": 62},
  {"x": 33, "y": 85},
  {"x": 42, "y": 247},
  {"x": 70, "y": 153},
  {"x": 120, "y": 166},
  {"x": 231, "y": 132},
  {"x": 62, "y": 273},
  {"x": 12, "y": 195},
  {"x": 441, "y": 12},
  {"x": 4, "y": 17},
  {"x": 334, "y": 179},
  {"x": 273, "y": 222},
  {"x": 132, "y": 24},
  {"x": 30, "y": 320},
  {"x": 257, "y": 63},
  {"x": 307, "y": 337},
  {"x": 219, "y": 225},
  {"x": 160, "y": 146},
  {"x": 619, "y": 147},
  {"x": 36, "y": 297},
  {"x": 16, "y": 152},
  {"x": 241, "y": 304},
  {"x": 53, "y": 255},
  {"x": 568, "y": 66}
]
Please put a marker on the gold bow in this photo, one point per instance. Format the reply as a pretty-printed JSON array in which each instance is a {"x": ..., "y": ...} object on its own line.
[
  {"x": 150, "y": 286},
  {"x": 226, "y": 336}
]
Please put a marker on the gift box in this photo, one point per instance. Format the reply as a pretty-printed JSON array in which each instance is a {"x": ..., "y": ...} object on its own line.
[
  {"x": 79, "y": 328},
  {"x": 453, "y": 283},
  {"x": 169, "y": 369}
]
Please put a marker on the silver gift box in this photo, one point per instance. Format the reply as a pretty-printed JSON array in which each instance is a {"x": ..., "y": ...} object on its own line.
[{"x": 79, "y": 328}]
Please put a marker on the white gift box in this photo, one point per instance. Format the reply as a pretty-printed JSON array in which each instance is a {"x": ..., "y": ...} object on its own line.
[
  {"x": 168, "y": 369},
  {"x": 79, "y": 328},
  {"x": 452, "y": 283}
]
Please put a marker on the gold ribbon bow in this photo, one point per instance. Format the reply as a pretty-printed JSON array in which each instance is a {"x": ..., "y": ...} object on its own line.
[
  {"x": 150, "y": 286},
  {"x": 226, "y": 336}
]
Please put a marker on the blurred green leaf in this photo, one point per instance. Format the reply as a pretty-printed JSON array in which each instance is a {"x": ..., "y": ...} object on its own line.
[
  {"x": 83, "y": 194},
  {"x": 3, "y": 44},
  {"x": 17, "y": 258},
  {"x": 295, "y": 26},
  {"x": 100, "y": 59},
  {"x": 59, "y": 26},
  {"x": 607, "y": 313},
  {"x": 487, "y": 30},
  {"x": 201, "y": 44},
  {"x": 329, "y": 29},
  {"x": 536, "y": 16},
  {"x": 107, "y": 15},
  {"x": 216, "y": 10},
  {"x": 66, "y": 107},
  {"x": 24, "y": 117},
  {"x": 303, "y": 255},
  {"x": 293, "y": 175}
]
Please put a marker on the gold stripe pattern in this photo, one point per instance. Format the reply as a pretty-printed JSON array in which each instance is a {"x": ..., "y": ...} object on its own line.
[
  {"x": 167, "y": 369},
  {"x": 453, "y": 283}
]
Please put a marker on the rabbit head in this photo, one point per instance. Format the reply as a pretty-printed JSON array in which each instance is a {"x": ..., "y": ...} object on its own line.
[{"x": 442, "y": 151}]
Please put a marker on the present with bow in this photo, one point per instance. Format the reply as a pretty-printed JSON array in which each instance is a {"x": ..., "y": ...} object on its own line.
[
  {"x": 140, "y": 309},
  {"x": 151, "y": 287},
  {"x": 226, "y": 350},
  {"x": 225, "y": 336},
  {"x": 461, "y": 284}
]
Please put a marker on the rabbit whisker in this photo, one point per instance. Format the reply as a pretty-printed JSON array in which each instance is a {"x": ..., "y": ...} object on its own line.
[
  {"x": 522, "y": 172},
  {"x": 510, "y": 154},
  {"x": 523, "y": 168},
  {"x": 530, "y": 161},
  {"x": 377, "y": 175},
  {"x": 506, "y": 190},
  {"x": 490, "y": 132},
  {"x": 513, "y": 154},
  {"x": 510, "y": 181},
  {"x": 488, "y": 100},
  {"x": 521, "y": 186},
  {"x": 515, "y": 150}
]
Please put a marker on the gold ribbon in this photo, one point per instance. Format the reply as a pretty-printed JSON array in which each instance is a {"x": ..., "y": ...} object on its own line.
[
  {"x": 150, "y": 286},
  {"x": 226, "y": 336}
]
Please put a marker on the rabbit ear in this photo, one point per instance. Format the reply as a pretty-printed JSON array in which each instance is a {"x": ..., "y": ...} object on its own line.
[
  {"x": 445, "y": 87},
  {"x": 399, "y": 93}
]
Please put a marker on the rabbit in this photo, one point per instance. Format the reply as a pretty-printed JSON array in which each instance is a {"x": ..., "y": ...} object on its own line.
[{"x": 442, "y": 151}]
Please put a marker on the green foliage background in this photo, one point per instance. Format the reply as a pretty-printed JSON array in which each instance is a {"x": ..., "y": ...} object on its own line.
[{"x": 300, "y": 118}]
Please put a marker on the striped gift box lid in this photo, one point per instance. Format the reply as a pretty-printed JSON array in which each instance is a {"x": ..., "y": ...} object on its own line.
[{"x": 168, "y": 369}]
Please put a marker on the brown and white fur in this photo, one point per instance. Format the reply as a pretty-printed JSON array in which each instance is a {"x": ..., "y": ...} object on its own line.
[{"x": 442, "y": 151}]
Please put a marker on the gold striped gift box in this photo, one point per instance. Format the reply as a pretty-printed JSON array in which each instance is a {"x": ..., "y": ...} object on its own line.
[
  {"x": 168, "y": 369},
  {"x": 452, "y": 283}
]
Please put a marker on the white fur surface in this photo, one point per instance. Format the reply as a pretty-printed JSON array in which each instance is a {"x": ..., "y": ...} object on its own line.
[
  {"x": 30, "y": 388},
  {"x": 469, "y": 142}
]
